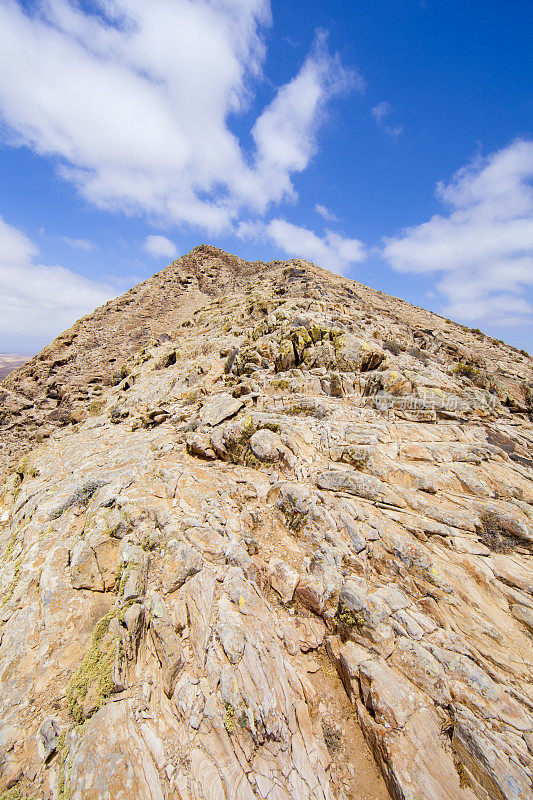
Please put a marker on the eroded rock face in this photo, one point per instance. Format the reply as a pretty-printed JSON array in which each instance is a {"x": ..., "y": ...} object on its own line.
[{"x": 286, "y": 554}]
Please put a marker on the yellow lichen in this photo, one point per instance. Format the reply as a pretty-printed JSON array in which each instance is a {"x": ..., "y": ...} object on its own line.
[{"x": 96, "y": 669}]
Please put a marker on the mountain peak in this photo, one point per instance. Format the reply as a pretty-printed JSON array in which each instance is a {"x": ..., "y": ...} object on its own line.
[{"x": 266, "y": 533}]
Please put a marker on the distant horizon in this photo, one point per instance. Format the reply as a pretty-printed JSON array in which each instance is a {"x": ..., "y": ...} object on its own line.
[{"x": 389, "y": 142}]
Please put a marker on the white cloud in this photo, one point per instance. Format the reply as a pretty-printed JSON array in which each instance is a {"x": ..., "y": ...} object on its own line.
[
  {"x": 78, "y": 244},
  {"x": 37, "y": 302},
  {"x": 325, "y": 213},
  {"x": 160, "y": 247},
  {"x": 151, "y": 131},
  {"x": 380, "y": 112},
  {"x": 332, "y": 251},
  {"x": 484, "y": 246}
]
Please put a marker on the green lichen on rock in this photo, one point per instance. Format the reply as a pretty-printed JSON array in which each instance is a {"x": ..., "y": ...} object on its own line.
[
  {"x": 63, "y": 786},
  {"x": 122, "y": 576},
  {"x": 229, "y": 718},
  {"x": 349, "y": 617},
  {"x": 6, "y": 597},
  {"x": 12, "y": 794},
  {"x": 10, "y": 545},
  {"x": 96, "y": 669}
]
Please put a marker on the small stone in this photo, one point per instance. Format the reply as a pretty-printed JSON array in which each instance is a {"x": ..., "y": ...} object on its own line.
[
  {"x": 283, "y": 579},
  {"x": 47, "y": 738}
]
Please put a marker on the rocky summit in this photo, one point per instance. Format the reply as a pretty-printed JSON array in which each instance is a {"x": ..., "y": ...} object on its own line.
[{"x": 266, "y": 534}]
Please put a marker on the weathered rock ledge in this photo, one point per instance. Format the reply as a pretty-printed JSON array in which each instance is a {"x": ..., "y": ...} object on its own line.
[{"x": 285, "y": 552}]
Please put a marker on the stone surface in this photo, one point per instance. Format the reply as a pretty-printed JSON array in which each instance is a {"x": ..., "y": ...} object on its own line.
[
  {"x": 218, "y": 408},
  {"x": 269, "y": 541},
  {"x": 283, "y": 579},
  {"x": 179, "y": 563}
]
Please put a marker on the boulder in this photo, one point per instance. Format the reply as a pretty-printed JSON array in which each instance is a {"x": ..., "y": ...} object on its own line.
[
  {"x": 84, "y": 572},
  {"x": 283, "y": 579},
  {"x": 180, "y": 562},
  {"x": 218, "y": 408},
  {"x": 359, "y": 484}
]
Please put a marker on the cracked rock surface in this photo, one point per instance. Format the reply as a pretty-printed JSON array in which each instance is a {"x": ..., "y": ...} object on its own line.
[{"x": 272, "y": 542}]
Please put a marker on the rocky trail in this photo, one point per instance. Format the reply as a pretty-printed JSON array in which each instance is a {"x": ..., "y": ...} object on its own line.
[{"x": 266, "y": 533}]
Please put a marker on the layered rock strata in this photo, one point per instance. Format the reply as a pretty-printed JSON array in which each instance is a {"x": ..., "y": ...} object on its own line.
[{"x": 281, "y": 548}]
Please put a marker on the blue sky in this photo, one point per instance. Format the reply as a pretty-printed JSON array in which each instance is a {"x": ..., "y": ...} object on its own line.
[{"x": 390, "y": 141}]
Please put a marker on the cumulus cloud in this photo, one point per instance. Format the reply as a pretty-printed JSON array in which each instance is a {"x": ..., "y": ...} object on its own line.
[
  {"x": 160, "y": 247},
  {"x": 483, "y": 248},
  {"x": 331, "y": 251},
  {"x": 39, "y": 301},
  {"x": 162, "y": 83}
]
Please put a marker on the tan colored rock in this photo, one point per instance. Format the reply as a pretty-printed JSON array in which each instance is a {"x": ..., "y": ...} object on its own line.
[
  {"x": 218, "y": 408},
  {"x": 179, "y": 563},
  {"x": 230, "y": 438},
  {"x": 84, "y": 572},
  {"x": 283, "y": 579}
]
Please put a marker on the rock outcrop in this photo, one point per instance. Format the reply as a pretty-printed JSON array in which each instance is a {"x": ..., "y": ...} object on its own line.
[{"x": 266, "y": 533}]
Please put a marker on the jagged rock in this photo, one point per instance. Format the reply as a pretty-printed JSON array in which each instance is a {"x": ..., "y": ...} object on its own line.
[
  {"x": 199, "y": 444},
  {"x": 524, "y": 614},
  {"x": 421, "y": 668},
  {"x": 359, "y": 484},
  {"x": 265, "y": 454},
  {"x": 134, "y": 567},
  {"x": 218, "y": 408},
  {"x": 283, "y": 579},
  {"x": 406, "y": 737},
  {"x": 365, "y": 616},
  {"x": 167, "y": 645},
  {"x": 47, "y": 738},
  {"x": 110, "y": 753},
  {"x": 487, "y": 769},
  {"x": 84, "y": 572},
  {"x": 179, "y": 563}
]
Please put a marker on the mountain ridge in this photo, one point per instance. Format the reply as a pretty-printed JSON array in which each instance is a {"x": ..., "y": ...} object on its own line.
[
  {"x": 55, "y": 380},
  {"x": 266, "y": 534}
]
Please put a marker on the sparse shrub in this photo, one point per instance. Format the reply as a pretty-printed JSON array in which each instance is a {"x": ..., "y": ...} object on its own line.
[
  {"x": 494, "y": 536},
  {"x": 95, "y": 406},
  {"x": 332, "y": 737},
  {"x": 477, "y": 376},
  {"x": 117, "y": 414},
  {"x": 416, "y": 352},
  {"x": 392, "y": 346}
]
